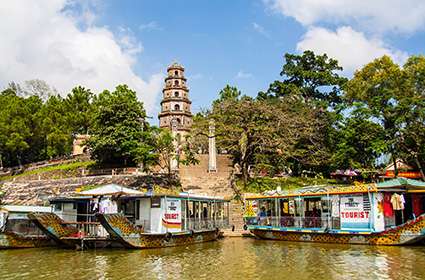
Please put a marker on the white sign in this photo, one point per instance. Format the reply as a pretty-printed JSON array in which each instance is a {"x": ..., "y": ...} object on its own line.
[
  {"x": 353, "y": 214},
  {"x": 172, "y": 219}
]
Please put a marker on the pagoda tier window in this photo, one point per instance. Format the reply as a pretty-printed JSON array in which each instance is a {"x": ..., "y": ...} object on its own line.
[
  {"x": 177, "y": 107},
  {"x": 176, "y": 94}
]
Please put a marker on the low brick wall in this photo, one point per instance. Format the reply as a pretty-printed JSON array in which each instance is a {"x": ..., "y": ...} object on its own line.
[{"x": 37, "y": 192}]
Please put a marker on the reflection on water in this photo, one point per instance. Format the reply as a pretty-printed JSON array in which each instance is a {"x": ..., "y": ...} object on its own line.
[{"x": 232, "y": 258}]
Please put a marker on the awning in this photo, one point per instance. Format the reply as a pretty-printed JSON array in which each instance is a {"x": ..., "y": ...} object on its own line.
[
  {"x": 111, "y": 189},
  {"x": 402, "y": 182}
]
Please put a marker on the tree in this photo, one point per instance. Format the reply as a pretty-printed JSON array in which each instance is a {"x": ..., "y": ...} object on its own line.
[
  {"x": 53, "y": 128},
  {"x": 34, "y": 87},
  {"x": 166, "y": 149},
  {"x": 379, "y": 87},
  {"x": 257, "y": 131},
  {"x": 360, "y": 142},
  {"x": 314, "y": 81},
  {"x": 120, "y": 134},
  {"x": 79, "y": 109},
  {"x": 15, "y": 127},
  {"x": 312, "y": 77},
  {"x": 227, "y": 93},
  {"x": 412, "y": 133}
]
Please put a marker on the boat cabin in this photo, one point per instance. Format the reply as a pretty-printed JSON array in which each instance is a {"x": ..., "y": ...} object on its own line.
[
  {"x": 151, "y": 213},
  {"x": 357, "y": 208},
  {"x": 13, "y": 218},
  {"x": 175, "y": 213}
]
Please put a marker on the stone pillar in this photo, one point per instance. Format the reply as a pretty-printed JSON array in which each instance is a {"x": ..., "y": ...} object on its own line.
[
  {"x": 174, "y": 162},
  {"x": 212, "y": 151}
]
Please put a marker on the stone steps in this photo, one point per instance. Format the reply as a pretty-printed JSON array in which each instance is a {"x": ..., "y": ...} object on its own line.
[{"x": 197, "y": 179}]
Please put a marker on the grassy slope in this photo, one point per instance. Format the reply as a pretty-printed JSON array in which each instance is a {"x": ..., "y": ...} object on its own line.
[{"x": 64, "y": 168}]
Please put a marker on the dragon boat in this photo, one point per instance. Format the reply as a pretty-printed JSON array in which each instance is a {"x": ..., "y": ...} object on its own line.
[
  {"x": 73, "y": 222},
  {"x": 17, "y": 231},
  {"x": 116, "y": 216},
  {"x": 386, "y": 213},
  {"x": 155, "y": 221}
]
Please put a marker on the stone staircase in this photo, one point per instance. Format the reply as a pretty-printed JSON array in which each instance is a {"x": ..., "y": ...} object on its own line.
[{"x": 197, "y": 179}]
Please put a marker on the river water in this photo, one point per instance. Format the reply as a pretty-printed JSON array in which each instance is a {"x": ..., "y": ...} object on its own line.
[{"x": 231, "y": 258}]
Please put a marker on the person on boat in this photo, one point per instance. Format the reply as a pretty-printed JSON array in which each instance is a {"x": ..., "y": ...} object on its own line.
[
  {"x": 316, "y": 217},
  {"x": 205, "y": 213},
  {"x": 262, "y": 216}
]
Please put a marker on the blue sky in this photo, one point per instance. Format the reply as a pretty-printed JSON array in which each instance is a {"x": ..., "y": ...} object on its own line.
[
  {"x": 218, "y": 42},
  {"x": 99, "y": 44}
]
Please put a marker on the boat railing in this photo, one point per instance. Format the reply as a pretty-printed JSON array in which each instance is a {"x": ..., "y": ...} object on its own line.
[
  {"x": 205, "y": 224},
  {"x": 296, "y": 222},
  {"x": 86, "y": 224},
  {"x": 144, "y": 225}
]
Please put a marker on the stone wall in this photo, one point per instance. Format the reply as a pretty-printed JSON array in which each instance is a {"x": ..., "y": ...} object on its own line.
[{"x": 37, "y": 192}]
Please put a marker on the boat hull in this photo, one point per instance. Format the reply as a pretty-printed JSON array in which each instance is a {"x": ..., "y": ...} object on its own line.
[
  {"x": 12, "y": 240},
  {"x": 65, "y": 235},
  {"x": 409, "y": 233},
  {"x": 131, "y": 237}
]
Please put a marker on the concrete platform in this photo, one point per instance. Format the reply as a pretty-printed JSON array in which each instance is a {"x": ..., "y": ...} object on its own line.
[{"x": 237, "y": 233}]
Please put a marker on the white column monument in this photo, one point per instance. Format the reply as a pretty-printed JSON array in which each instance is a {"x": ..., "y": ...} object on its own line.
[{"x": 212, "y": 151}]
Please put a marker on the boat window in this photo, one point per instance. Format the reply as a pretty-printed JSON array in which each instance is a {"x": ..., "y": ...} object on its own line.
[
  {"x": 58, "y": 207},
  {"x": 156, "y": 202},
  {"x": 137, "y": 209}
]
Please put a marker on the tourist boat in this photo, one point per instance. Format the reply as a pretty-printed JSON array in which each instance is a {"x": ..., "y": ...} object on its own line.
[
  {"x": 154, "y": 221},
  {"x": 387, "y": 213},
  {"x": 73, "y": 223},
  {"x": 114, "y": 215},
  {"x": 17, "y": 231}
]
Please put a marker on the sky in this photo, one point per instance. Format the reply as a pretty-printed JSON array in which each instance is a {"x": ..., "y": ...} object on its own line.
[{"x": 100, "y": 44}]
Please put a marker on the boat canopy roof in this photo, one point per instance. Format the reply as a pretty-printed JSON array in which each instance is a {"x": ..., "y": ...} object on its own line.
[
  {"x": 398, "y": 184},
  {"x": 124, "y": 192},
  {"x": 184, "y": 195},
  {"x": 110, "y": 189},
  {"x": 402, "y": 182},
  {"x": 25, "y": 209}
]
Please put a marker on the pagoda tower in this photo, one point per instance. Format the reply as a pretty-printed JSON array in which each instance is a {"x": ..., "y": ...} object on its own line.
[{"x": 175, "y": 105}]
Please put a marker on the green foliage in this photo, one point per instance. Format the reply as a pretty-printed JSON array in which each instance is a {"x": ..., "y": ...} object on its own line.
[
  {"x": 313, "y": 77},
  {"x": 165, "y": 150},
  {"x": 66, "y": 167},
  {"x": 227, "y": 93},
  {"x": 37, "y": 124},
  {"x": 251, "y": 130},
  {"x": 120, "y": 134},
  {"x": 393, "y": 96},
  {"x": 261, "y": 184},
  {"x": 360, "y": 142}
]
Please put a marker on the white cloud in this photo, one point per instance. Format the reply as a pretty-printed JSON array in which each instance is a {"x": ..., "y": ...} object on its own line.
[
  {"x": 42, "y": 40},
  {"x": 243, "y": 75},
  {"x": 152, "y": 25},
  {"x": 260, "y": 29},
  {"x": 373, "y": 15},
  {"x": 351, "y": 48}
]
